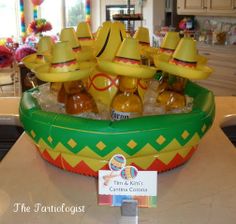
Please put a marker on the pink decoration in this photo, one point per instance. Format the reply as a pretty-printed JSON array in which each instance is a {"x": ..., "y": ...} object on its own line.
[
  {"x": 182, "y": 24},
  {"x": 23, "y": 51},
  {"x": 6, "y": 57}
]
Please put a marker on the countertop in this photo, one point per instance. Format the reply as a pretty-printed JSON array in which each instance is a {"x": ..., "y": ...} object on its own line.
[
  {"x": 201, "y": 191},
  {"x": 9, "y": 110}
]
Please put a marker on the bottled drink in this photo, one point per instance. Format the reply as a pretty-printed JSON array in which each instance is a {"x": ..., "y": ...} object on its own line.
[
  {"x": 78, "y": 99},
  {"x": 126, "y": 104},
  {"x": 61, "y": 95}
]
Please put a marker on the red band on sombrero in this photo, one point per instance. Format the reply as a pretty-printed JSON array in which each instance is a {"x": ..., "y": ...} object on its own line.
[
  {"x": 85, "y": 38},
  {"x": 39, "y": 56},
  {"x": 144, "y": 43},
  {"x": 166, "y": 50},
  {"x": 76, "y": 49},
  {"x": 63, "y": 64},
  {"x": 127, "y": 60},
  {"x": 183, "y": 63}
]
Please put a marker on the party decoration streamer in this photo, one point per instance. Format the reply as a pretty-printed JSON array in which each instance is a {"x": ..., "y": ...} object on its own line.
[
  {"x": 88, "y": 11},
  {"x": 22, "y": 19},
  {"x": 36, "y": 3},
  {"x": 35, "y": 12}
]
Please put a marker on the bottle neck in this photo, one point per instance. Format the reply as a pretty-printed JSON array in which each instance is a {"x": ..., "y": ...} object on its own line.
[{"x": 128, "y": 93}]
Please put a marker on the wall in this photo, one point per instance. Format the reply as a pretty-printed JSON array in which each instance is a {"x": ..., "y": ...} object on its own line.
[
  {"x": 95, "y": 15},
  {"x": 218, "y": 24},
  {"x": 215, "y": 19},
  {"x": 153, "y": 13},
  {"x": 28, "y": 12},
  {"x": 158, "y": 14}
]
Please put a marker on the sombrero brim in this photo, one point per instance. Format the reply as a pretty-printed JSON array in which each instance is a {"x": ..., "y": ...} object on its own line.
[
  {"x": 84, "y": 70},
  {"x": 200, "y": 72},
  {"x": 149, "y": 51},
  {"x": 30, "y": 61},
  {"x": 139, "y": 71}
]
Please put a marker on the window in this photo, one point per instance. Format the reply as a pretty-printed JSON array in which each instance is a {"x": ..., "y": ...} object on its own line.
[
  {"x": 52, "y": 11},
  {"x": 62, "y": 13},
  {"x": 9, "y": 27},
  {"x": 75, "y": 12}
]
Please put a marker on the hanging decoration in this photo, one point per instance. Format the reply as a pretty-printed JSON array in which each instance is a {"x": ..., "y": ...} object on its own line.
[
  {"x": 36, "y": 4},
  {"x": 88, "y": 11},
  {"x": 22, "y": 19},
  {"x": 35, "y": 12}
]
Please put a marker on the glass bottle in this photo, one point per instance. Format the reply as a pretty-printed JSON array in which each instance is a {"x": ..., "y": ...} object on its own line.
[
  {"x": 61, "y": 95},
  {"x": 55, "y": 87},
  {"x": 78, "y": 99},
  {"x": 127, "y": 103}
]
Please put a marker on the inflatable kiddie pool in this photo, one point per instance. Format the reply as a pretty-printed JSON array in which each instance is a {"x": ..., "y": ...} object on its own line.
[{"x": 159, "y": 142}]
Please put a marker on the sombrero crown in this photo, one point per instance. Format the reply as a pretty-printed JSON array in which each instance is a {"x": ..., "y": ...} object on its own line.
[
  {"x": 43, "y": 54},
  {"x": 64, "y": 66},
  {"x": 63, "y": 58},
  {"x": 142, "y": 35},
  {"x": 68, "y": 34},
  {"x": 129, "y": 52},
  {"x": 186, "y": 50},
  {"x": 83, "y": 31},
  {"x": 170, "y": 42},
  {"x": 82, "y": 54},
  {"x": 127, "y": 61},
  {"x": 45, "y": 45}
]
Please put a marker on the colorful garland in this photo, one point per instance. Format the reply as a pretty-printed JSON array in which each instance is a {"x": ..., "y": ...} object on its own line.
[
  {"x": 88, "y": 11},
  {"x": 22, "y": 19},
  {"x": 36, "y": 3},
  {"x": 35, "y": 12}
]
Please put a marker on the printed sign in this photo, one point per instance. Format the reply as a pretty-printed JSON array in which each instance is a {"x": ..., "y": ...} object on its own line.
[{"x": 123, "y": 182}]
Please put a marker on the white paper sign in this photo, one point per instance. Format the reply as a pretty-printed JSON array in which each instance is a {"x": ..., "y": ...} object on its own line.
[{"x": 112, "y": 183}]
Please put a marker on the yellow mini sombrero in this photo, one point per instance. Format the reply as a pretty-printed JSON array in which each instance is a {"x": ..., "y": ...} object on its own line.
[
  {"x": 169, "y": 42},
  {"x": 43, "y": 54},
  {"x": 142, "y": 35},
  {"x": 84, "y": 34},
  {"x": 64, "y": 66},
  {"x": 127, "y": 61},
  {"x": 184, "y": 62},
  {"x": 68, "y": 34}
]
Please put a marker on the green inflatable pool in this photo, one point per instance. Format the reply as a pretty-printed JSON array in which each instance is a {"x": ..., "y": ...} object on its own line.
[{"x": 84, "y": 146}]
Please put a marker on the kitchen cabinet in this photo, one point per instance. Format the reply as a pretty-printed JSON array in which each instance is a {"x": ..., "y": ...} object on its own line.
[
  {"x": 207, "y": 7},
  {"x": 221, "y": 7},
  {"x": 191, "y": 7}
]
